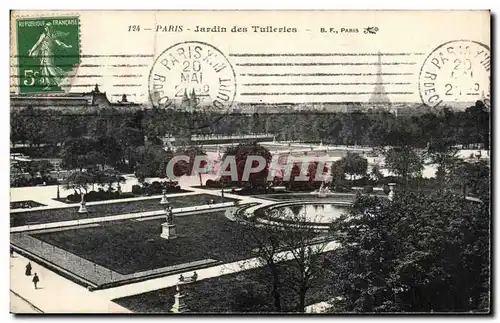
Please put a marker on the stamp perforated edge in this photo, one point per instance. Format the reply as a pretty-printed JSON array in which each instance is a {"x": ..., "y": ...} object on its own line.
[{"x": 14, "y": 63}]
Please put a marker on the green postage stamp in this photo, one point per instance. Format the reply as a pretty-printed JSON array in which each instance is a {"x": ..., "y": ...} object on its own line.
[{"x": 48, "y": 52}]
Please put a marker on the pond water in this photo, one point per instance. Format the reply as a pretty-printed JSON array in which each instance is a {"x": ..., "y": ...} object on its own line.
[{"x": 318, "y": 212}]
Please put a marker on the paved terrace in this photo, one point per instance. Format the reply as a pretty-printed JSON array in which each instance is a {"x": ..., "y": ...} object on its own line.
[{"x": 59, "y": 295}]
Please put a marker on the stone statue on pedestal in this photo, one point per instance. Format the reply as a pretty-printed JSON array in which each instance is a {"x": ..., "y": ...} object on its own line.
[
  {"x": 169, "y": 215},
  {"x": 168, "y": 228},
  {"x": 179, "y": 303},
  {"x": 391, "y": 193},
  {"x": 179, "y": 298},
  {"x": 164, "y": 199},
  {"x": 323, "y": 190},
  {"x": 83, "y": 208}
]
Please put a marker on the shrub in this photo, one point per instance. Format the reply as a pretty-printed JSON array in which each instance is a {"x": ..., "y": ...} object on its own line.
[
  {"x": 113, "y": 195},
  {"x": 127, "y": 195},
  {"x": 251, "y": 300},
  {"x": 212, "y": 184},
  {"x": 364, "y": 181},
  {"x": 73, "y": 198},
  {"x": 20, "y": 182},
  {"x": 36, "y": 181},
  {"x": 391, "y": 179},
  {"x": 91, "y": 196},
  {"x": 137, "y": 190},
  {"x": 50, "y": 180},
  {"x": 155, "y": 188},
  {"x": 341, "y": 189},
  {"x": 170, "y": 182}
]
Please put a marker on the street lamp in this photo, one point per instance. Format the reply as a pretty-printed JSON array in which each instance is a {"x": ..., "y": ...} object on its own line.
[
  {"x": 58, "y": 194},
  {"x": 222, "y": 186}
]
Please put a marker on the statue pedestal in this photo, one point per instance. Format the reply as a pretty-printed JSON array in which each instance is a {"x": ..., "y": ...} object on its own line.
[
  {"x": 83, "y": 208},
  {"x": 168, "y": 231},
  {"x": 164, "y": 200},
  {"x": 179, "y": 304},
  {"x": 391, "y": 192}
]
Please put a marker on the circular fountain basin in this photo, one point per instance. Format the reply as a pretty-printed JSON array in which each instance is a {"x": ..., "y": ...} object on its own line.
[{"x": 320, "y": 214}]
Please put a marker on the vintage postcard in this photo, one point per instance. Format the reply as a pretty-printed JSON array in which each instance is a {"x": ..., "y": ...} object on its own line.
[{"x": 177, "y": 162}]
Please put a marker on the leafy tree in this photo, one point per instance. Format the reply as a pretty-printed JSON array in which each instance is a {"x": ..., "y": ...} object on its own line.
[
  {"x": 42, "y": 167},
  {"x": 295, "y": 172},
  {"x": 311, "y": 173},
  {"x": 129, "y": 139},
  {"x": 292, "y": 253},
  {"x": 150, "y": 161},
  {"x": 306, "y": 266},
  {"x": 16, "y": 174},
  {"x": 477, "y": 124},
  {"x": 110, "y": 177},
  {"x": 420, "y": 253},
  {"x": 405, "y": 162},
  {"x": 249, "y": 300},
  {"x": 186, "y": 168},
  {"x": 338, "y": 175},
  {"x": 312, "y": 182},
  {"x": 376, "y": 174},
  {"x": 265, "y": 241},
  {"x": 110, "y": 149},
  {"x": 354, "y": 164},
  {"x": 18, "y": 132},
  {"x": 472, "y": 176},
  {"x": 94, "y": 158},
  {"x": 241, "y": 153},
  {"x": 74, "y": 153},
  {"x": 79, "y": 181},
  {"x": 444, "y": 155}
]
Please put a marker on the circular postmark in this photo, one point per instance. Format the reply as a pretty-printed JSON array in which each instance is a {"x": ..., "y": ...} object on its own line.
[
  {"x": 456, "y": 71},
  {"x": 193, "y": 77}
]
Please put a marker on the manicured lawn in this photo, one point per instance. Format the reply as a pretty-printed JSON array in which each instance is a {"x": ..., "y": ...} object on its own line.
[
  {"x": 248, "y": 291},
  {"x": 25, "y": 204},
  {"x": 95, "y": 211},
  {"x": 131, "y": 246}
]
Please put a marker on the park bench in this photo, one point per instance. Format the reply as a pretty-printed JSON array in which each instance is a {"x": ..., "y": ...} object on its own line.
[{"x": 188, "y": 279}]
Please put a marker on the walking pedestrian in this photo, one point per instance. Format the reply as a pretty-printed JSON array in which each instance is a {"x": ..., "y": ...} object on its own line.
[
  {"x": 28, "y": 269},
  {"x": 35, "y": 280},
  {"x": 11, "y": 251}
]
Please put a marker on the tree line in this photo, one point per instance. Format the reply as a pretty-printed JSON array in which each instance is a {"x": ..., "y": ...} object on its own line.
[{"x": 470, "y": 127}]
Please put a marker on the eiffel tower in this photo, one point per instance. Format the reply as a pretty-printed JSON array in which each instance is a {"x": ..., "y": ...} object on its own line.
[{"x": 379, "y": 94}]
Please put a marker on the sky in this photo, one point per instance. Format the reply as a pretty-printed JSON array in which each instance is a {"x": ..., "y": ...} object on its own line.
[{"x": 304, "y": 64}]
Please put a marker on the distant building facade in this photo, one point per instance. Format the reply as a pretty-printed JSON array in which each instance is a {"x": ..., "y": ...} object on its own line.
[{"x": 81, "y": 102}]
